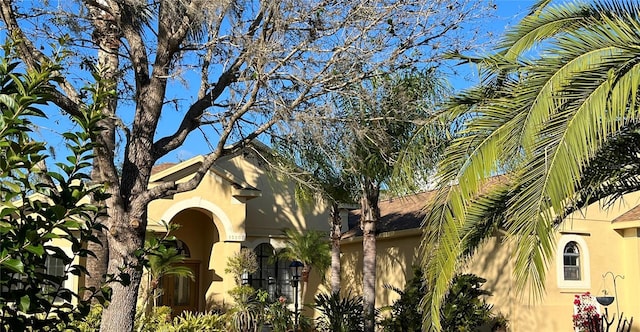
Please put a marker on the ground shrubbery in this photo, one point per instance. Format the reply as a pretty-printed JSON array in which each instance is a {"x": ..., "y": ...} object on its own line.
[
  {"x": 464, "y": 308},
  {"x": 339, "y": 314}
]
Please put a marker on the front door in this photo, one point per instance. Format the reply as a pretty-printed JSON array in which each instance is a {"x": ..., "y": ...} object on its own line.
[{"x": 181, "y": 293}]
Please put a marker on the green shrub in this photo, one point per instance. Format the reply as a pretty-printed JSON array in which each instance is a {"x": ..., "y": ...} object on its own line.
[
  {"x": 199, "y": 322},
  {"x": 339, "y": 314},
  {"x": 279, "y": 316},
  {"x": 247, "y": 314},
  {"x": 463, "y": 308},
  {"x": 38, "y": 206},
  {"x": 158, "y": 320},
  {"x": 406, "y": 312},
  {"x": 91, "y": 323}
]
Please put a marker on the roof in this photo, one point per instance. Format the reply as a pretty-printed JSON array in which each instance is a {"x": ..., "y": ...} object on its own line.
[
  {"x": 631, "y": 215},
  {"x": 161, "y": 167},
  {"x": 407, "y": 212},
  {"x": 396, "y": 214},
  {"x": 176, "y": 171}
]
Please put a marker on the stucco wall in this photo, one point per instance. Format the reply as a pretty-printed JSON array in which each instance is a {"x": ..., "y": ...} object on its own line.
[
  {"x": 605, "y": 246},
  {"x": 396, "y": 255}
]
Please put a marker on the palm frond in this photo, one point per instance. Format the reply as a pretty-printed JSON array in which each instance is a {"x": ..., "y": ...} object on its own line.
[{"x": 543, "y": 121}]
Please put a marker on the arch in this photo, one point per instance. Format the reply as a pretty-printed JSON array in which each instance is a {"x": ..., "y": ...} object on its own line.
[
  {"x": 571, "y": 261},
  {"x": 273, "y": 273},
  {"x": 572, "y": 253},
  {"x": 221, "y": 220}
]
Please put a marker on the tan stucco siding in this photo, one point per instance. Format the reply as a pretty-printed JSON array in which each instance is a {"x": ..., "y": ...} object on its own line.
[
  {"x": 277, "y": 207},
  {"x": 394, "y": 261},
  {"x": 603, "y": 250},
  {"x": 212, "y": 194}
]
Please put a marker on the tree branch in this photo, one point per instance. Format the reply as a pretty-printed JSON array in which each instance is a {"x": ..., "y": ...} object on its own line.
[{"x": 32, "y": 57}]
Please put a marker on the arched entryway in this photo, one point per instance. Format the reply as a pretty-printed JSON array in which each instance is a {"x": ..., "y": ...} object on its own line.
[
  {"x": 197, "y": 233},
  {"x": 181, "y": 292}
]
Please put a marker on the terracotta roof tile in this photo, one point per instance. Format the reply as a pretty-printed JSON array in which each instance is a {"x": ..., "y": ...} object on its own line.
[
  {"x": 405, "y": 212},
  {"x": 631, "y": 215}
]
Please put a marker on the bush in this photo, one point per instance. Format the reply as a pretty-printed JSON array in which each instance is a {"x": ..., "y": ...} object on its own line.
[
  {"x": 38, "y": 206},
  {"x": 279, "y": 316},
  {"x": 91, "y": 323},
  {"x": 248, "y": 312},
  {"x": 339, "y": 314},
  {"x": 158, "y": 320},
  {"x": 197, "y": 322},
  {"x": 464, "y": 309},
  {"x": 406, "y": 312}
]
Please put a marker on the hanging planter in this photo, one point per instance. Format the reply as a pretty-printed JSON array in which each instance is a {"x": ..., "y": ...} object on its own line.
[{"x": 605, "y": 300}]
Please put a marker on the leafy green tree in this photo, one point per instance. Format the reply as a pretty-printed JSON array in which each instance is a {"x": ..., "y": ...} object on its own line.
[
  {"x": 38, "y": 206},
  {"x": 559, "y": 91}
]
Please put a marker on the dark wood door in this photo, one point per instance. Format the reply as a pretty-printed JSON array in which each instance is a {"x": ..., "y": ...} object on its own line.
[{"x": 181, "y": 293}]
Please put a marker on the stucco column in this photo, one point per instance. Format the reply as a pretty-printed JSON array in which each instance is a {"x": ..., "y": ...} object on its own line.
[
  {"x": 218, "y": 292},
  {"x": 628, "y": 290}
]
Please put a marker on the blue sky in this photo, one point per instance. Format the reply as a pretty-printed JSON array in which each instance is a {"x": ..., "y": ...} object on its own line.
[{"x": 508, "y": 13}]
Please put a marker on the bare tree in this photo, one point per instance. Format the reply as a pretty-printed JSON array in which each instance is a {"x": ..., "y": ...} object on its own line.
[{"x": 241, "y": 67}]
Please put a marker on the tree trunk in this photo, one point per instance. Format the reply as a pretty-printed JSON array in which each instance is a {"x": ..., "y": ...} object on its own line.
[
  {"x": 125, "y": 237},
  {"x": 336, "y": 234},
  {"x": 97, "y": 266},
  {"x": 106, "y": 37},
  {"x": 369, "y": 218}
]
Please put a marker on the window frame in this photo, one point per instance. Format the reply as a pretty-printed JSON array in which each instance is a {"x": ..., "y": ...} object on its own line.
[
  {"x": 571, "y": 261},
  {"x": 584, "y": 282},
  {"x": 274, "y": 274}
]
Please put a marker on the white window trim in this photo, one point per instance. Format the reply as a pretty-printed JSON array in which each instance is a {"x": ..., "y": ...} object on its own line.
[{"x": 585, "y": 268}]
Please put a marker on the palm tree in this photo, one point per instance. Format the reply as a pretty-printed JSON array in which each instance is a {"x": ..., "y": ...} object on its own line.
[
  {"x": 164, "y": 259},
  {"x": 317, "y": 175},
  {"x": 311, "y": 248},
  {"x": 373, "y": 132},
  {"x": 391, "y": 119},
  {"x": 560, "y": 90}
]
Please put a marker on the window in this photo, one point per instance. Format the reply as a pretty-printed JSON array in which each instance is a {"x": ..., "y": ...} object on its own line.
[
  {"x": 272, "y": 275},
  {"x": 571, "y": 261},
  {"x": 55, "y": 266}
]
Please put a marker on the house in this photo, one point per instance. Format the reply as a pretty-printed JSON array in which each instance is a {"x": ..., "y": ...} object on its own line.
[
  {"x": 240, "y": 204},
  {"x": 237, "y": 204},
  {"x": 596, "y": 249}
]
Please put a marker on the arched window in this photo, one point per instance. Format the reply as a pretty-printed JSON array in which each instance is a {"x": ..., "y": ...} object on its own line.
[
  {"x": 272, "y": 274},
  {"x": 572, "y": 261},
  {"x": 571, "y": 258},
  {"x": 181, "y": 247}
]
